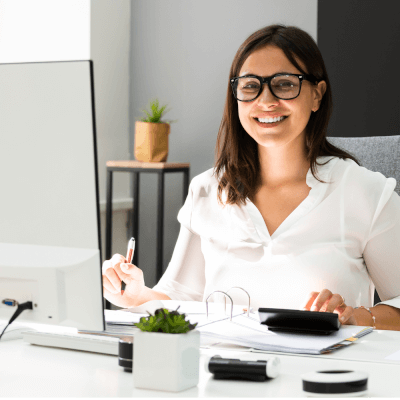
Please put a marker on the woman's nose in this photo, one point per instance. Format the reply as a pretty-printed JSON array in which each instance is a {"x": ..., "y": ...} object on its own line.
[{"x": 266, "y": 96}]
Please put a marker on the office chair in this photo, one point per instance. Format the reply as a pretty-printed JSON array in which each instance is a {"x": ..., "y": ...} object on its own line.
[{"x": 376, "y": 153}]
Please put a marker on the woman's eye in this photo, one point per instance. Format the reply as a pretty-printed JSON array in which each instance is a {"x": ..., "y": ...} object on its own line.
[
  {"x": 251, "y": 86},
  {"x": 285, "y": 84}
]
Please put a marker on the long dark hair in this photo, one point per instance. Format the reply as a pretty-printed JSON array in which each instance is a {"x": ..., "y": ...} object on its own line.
[{"x": 237, "y": 164}]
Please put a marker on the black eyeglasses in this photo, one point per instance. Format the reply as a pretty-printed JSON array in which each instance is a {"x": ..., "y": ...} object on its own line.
[{"x": 282, "y": 86}]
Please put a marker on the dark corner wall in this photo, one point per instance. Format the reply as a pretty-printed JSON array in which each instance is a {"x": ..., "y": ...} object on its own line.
[{"x": 360, "y": 43}]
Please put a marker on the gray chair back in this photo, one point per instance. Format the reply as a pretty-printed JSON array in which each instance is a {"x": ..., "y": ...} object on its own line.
[{"x": 376, "y": 153}]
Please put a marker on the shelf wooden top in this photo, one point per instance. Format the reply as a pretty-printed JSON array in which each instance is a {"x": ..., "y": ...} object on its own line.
[{"x": 140, "y": 164}]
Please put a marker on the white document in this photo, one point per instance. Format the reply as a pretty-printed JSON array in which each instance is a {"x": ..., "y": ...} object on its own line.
[
  {"x": 242, "y": 330},
  {"x": 119, "y": 317},
  {"x": 186, "y": 307},
  {"x": 195, "y": 312},
  {"x": 126, "y": 318},
  {"x": 249, "y": 332}
]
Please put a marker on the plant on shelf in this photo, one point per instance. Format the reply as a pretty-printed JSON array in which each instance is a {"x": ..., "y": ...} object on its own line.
[
  {"x": 156, "y": 112},
  {"x": 151, "y": 134},
  {"x": 165, "y": 321}
]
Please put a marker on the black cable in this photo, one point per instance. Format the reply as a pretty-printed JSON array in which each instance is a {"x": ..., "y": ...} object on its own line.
[{"x": 21, "y": 307}]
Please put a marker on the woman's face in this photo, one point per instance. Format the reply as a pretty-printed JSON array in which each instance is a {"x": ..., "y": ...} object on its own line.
[{"x": 265, "y": 62}]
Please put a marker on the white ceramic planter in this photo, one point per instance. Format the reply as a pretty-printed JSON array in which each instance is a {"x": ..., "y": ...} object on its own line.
[{"x": 166, "y": 361}]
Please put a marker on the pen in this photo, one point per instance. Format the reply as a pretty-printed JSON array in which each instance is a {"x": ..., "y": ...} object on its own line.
[{"x": 129, "y": 257}]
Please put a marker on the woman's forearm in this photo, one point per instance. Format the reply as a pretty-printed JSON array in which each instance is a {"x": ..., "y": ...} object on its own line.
[
  {"x": 148, "y": 294},
  {"x": 386, "y": 317}
]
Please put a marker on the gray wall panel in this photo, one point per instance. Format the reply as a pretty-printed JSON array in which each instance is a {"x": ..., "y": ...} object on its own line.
[{"x": 360, "y": 41}]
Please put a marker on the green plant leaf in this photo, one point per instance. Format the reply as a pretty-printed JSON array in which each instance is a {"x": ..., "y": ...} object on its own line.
[
  {"x": 156, "y": 112},
  {"x": 165, "y": 321}
]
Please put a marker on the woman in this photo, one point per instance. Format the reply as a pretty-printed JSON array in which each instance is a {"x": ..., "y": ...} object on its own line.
[{"x": 284, "y": 214}]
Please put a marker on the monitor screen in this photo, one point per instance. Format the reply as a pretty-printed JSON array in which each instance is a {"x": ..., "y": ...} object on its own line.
[{"x": 50, "y": 248}]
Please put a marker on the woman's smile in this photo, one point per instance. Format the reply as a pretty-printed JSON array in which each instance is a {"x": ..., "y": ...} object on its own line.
[{"x": 270, "y": 122}]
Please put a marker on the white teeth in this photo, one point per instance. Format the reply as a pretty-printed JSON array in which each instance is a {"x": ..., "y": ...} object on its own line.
[{"x": 270, "y": 120}]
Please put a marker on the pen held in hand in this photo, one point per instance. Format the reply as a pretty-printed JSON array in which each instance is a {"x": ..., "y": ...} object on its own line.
[{"x": 129, "y": 258}]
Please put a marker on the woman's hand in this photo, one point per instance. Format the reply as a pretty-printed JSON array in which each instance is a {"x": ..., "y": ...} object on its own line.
[
  {"x": 325, "y": 301},
  {"x": 117, "y": 270}
]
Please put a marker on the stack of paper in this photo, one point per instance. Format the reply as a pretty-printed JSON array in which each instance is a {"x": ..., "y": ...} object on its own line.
[
  {"x": 186, "y": 307},
  {"x": 242, "y": 330},
  {"x": 248, "y": 332},
  {"x": 121, "y": 317}
]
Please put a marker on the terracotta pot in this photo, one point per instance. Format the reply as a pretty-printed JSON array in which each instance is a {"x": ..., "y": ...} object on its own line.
[{"x": 151, "y": 141}]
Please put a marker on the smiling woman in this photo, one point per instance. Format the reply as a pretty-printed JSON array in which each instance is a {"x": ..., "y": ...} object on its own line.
[
  {"x": 289, "y": 61},
  {"x": 284, "y": 214}
]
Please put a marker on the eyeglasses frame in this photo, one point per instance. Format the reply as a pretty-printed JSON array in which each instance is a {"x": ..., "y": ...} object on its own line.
[{"x": 307, "y": 77}]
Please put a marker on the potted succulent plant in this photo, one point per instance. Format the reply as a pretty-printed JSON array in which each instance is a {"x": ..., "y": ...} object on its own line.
[
  {"x": 166, "y": 352},
  {"x": 151, "y": 135}
]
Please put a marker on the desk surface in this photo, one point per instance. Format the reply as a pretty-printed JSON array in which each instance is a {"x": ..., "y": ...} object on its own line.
[{"x": 35, "y": 371}]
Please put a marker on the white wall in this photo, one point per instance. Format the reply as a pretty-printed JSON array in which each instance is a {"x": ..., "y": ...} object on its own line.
[
  {"x": 40, "y": 30},
  {"x": 181, "y": 53},
  {"x": 110, "y": 51},
  {"x": 64, "y": 30},
  {"x": 110, "y": 47}
]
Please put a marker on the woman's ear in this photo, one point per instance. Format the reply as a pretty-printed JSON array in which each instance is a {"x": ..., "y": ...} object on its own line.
[{"x": 319, "y": 91}]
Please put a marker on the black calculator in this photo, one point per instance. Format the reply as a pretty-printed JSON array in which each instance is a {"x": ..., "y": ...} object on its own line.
[{"x": 299, "y": 321}]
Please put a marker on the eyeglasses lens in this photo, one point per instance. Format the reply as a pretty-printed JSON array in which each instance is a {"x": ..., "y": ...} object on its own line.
[{"x": 284, "y": 87}]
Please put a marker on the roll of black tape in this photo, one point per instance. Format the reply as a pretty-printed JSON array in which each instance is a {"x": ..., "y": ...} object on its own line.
[
  {"x": 125, "y": 353},
  {"x": 335, "y": 382}
]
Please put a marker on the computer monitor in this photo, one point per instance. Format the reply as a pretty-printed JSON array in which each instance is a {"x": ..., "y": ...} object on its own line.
[{"x": 50, "y": 248}]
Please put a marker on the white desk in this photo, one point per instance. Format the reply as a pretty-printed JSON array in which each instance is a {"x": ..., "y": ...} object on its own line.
[{"x": 34, "y": 371}]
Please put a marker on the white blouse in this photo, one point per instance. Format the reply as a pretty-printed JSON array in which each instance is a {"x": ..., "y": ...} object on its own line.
[{"x": 345, "y": 236}]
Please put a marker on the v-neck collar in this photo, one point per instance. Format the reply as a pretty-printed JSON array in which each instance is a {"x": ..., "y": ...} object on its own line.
[{"x": 314, "y": 197}]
